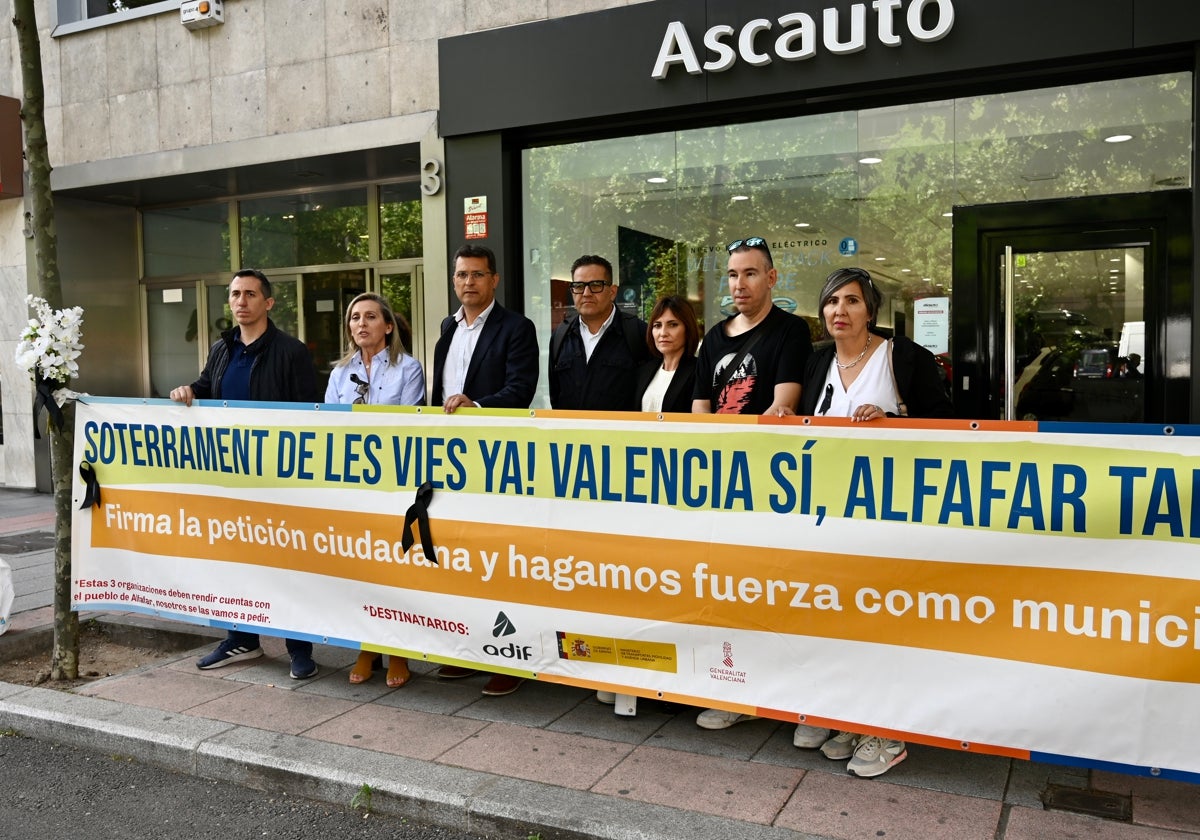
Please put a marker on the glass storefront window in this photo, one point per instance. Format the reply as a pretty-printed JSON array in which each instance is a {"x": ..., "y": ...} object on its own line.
[
  {"x": 400, "y": 236},
  {"x": 874, "y": 188},
  {"x": 284, "y": 313},
  {"x": 317, "y": 228},
  {"x": 186, "y": 240}
]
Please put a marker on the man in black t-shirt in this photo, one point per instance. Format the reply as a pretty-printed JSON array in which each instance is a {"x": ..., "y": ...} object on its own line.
[{"x": 765, "y": 346}]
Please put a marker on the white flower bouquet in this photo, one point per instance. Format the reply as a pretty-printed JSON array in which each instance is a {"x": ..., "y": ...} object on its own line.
[{"x": 48, "y": 348}]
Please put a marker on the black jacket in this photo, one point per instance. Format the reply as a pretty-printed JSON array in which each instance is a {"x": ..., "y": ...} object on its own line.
[
  {"x": 503, "y": 371},
  {"x": 282, "y": 370},
  {"x": 678, "y": 398},
  {"x": 605, "y": 382},
  {"x": 921, "y": 385}
]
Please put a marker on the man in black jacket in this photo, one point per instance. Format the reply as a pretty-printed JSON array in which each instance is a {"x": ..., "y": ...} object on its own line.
[
  {"x": 254, "y": 361},
  {"x": 595, "y": 355},
  {"x": 486, "y": 357}
]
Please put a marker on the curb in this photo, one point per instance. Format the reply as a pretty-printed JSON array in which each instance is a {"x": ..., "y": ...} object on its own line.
[{"x": 464, "y": 800}]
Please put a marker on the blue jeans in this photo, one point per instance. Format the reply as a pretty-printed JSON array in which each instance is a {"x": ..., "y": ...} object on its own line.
[{"x": 250, "y": 640}]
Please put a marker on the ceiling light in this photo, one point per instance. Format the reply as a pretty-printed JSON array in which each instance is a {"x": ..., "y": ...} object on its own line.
[
  {"x": 880, "y": 259},
  {"x": 870, "y": 161},
  {"x": 906, "y": 271},
  {"x": 1114, "y": 259},
  {"x": 801, "y": 224},
  {"x": 1114, "y": 271},
  {"x": 657, "y": 179},
  {"x": 1118, "y": 138},
  {"x": 949, "y": 214},
  {"x": 926, "y": 279},
  {"x": 741, "y": 198}
]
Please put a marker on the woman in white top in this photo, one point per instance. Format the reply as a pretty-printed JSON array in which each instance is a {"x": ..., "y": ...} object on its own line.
[
  {"x": 665, "y": 382},
  {"x": 865, "y": 376},
  {"x": 378, "y": 371}
]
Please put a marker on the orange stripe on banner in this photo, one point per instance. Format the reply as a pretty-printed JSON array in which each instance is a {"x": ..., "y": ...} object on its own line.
[{"x": 1131, "y": 625}]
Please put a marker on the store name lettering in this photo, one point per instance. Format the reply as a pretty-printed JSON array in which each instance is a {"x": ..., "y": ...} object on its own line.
[{"x": 798, "y": 36}]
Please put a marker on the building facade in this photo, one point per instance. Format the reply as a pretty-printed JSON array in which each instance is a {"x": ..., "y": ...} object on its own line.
[{"x": 1017, "y": 176}]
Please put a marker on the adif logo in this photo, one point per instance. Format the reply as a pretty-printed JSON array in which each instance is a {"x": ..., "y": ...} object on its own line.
[
  {"x": 503, "y": 626},
  {"x": 727, "y": 655}
]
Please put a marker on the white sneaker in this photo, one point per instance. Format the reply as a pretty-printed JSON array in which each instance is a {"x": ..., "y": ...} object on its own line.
[
  {"x": 875, "y": 756},
  {"x": 719, "y": 719},
  {"x": 609, "y": 697},
  {"x": 809, "y": 737},
  {"x": 840, "y": 746}
]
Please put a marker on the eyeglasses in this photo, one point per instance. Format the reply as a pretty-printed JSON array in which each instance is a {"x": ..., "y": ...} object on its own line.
[
  {"x": 752, "y": 242},
  {"x": 361, "y": 387},
  {"x": 594, "y": 286},
  {"x": 462, "y": 276}
]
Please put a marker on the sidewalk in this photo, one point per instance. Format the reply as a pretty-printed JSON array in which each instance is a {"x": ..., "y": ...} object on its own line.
[{"x": 547, "y": 759}]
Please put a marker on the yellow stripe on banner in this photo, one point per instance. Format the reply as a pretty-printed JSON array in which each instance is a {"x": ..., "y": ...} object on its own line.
[{"x": 1123, "y": 624}]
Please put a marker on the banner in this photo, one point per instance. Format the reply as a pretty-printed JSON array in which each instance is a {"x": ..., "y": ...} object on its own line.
[{"x": 1008, "y": 588}]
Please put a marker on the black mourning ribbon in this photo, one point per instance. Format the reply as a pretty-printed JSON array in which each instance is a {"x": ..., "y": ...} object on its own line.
[
  {"x": 91, "y": 486},
  {"x": 418, "y": 511},
  {"x": 44, "y": 396},
  {"x": 825, "y": 403}
]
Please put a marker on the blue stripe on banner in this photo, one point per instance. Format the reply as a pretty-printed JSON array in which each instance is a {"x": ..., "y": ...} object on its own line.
[
  {"x": 1114, "y": 767},
  {"x": 1152, "y": 429},
  {"x": 291, "y": 406},
  {"x": 315, "y": 638}
]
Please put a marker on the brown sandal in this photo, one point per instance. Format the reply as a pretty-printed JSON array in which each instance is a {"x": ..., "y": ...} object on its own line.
[
  {"x": 364, "y": 666},
  {"x": 398, "y": 673}
]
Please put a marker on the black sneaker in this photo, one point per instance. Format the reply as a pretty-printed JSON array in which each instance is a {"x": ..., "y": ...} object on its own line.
[
  {"x": 303, "y": 666},
  {"x": 227, "y": 653}
]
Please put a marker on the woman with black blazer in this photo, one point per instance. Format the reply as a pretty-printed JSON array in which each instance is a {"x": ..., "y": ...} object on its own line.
[{"x": 664, "y": 383}]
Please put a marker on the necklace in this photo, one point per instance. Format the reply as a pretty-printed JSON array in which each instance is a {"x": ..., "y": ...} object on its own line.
[{"x": 849, "y": 365}]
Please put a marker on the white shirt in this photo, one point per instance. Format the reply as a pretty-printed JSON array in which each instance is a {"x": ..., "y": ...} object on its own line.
[
  {"x": 656, "y": 391},
  {"x": 874, "y": 386},
  {"x": 462, "y": 347},
  {"x": 590, "y": 341}
]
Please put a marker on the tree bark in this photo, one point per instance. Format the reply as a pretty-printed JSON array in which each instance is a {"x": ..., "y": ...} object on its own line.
[{"x": 64, "y": 662}]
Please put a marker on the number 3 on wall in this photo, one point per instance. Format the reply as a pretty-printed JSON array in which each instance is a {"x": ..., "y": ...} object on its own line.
[{"x": 431, "y": 176}]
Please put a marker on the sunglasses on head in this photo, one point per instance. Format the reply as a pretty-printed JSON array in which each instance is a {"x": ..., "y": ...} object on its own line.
[
  {"x": 361, "y": 387},
  {"x": 751, "y": 242}
]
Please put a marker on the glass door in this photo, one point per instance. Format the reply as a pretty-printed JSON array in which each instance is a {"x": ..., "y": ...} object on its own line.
[
  {"x": 177, "y": 343},
  {"x": 1076, "y": 310},
  {"x": 1074, "y": 334},
  {"x": 323, "y": 301}
]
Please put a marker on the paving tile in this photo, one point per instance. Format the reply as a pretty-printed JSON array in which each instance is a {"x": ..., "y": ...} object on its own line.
[
  {"x": 1033, "y": 824},
  {"x": 741, "y": 741},
  {"x": 533, "y": 704},
  {"x": 552, "y": 757},
  {"x": 426, "y": 693},
  {"x": 849, "y": 808},
  {"x": 1029, "y": 780},
  {"x": 396, "y": 731},
  {"x": 594, "y": 719},
  {"x": 264, "y": 707},
  {"x": 1162, "y": 803},
  {"x": 742, "y": 790},
  {"x": 161, "y": 688}
]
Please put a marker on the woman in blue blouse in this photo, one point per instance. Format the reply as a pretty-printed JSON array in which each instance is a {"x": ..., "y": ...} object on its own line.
[{"x": 378, "y": 371}]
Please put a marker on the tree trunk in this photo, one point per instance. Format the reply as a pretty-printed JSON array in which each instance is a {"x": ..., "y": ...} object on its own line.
[{"x": 65, "y": 660}]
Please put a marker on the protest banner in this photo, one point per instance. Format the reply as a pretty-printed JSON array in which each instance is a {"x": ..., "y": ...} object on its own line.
[{"x": 998, "y": 587}]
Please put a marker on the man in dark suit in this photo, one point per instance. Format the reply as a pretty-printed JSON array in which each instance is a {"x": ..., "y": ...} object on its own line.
[{"x": 486, "y": 357}]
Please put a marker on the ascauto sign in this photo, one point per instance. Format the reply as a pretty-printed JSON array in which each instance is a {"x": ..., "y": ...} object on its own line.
[{"x": 798, "y": 35}]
